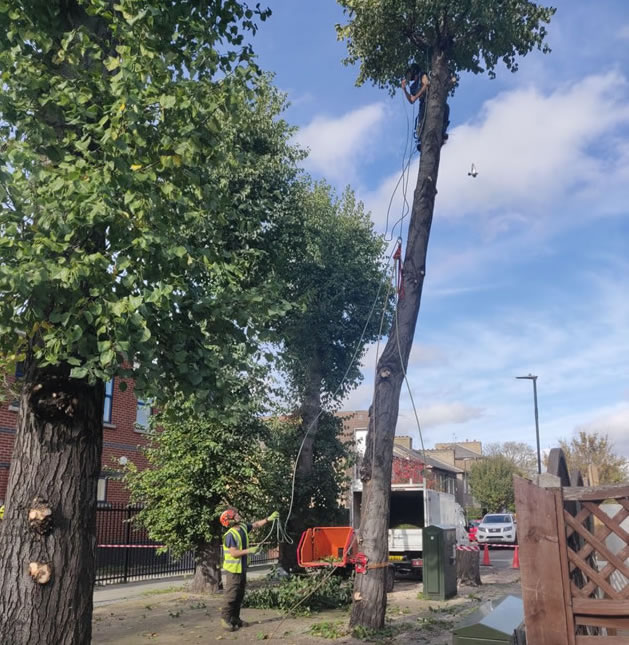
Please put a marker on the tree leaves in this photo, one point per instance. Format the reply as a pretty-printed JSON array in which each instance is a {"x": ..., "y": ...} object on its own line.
[
  {"x": 143, "y": 173},
  {"x": 491, "y": 482},
  {"x": 386, "y": 36}
]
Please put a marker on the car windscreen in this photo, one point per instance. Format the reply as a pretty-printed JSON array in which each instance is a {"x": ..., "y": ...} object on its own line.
[{"x": 497, "y": 519}]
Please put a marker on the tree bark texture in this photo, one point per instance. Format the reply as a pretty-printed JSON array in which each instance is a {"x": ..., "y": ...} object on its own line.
[
  {"x": 468, "y": 568},
  {"x": 48, "y": 536},
  {"x": 369, "y": 604},
  {"x": 207, "y": 572},
  {"x": 310, "y": 412}
]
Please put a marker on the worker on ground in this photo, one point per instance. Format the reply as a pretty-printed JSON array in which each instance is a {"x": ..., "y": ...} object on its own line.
[
  {"x": 235, "y": 551},
  {"x": 417, "y": 91}
]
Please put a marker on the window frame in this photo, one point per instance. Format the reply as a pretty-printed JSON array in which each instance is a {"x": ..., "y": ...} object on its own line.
[
  {"x": 109, "y": 397},
  {"x": 140, "y": 427}
]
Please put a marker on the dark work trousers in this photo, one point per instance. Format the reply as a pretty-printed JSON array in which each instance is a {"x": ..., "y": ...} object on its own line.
[{"x": 233, "y": 593}]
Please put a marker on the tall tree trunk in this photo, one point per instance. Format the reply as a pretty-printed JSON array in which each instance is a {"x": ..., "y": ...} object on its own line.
[
  {"x": 48, "y": 535},
  {"x": 310, "y": 412},
  {"x": 369, "y": 605},
  {"x": 207, "y": 572}
]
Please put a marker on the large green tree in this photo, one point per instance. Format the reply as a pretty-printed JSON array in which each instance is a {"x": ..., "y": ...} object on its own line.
[
  {"x": 335, "y": 275},
  {"x": 445, "y": 37},
  {"x": 491, "y": 482},
  {"x": 131, "y": 244},
  {"x": 591, "y": 449}
]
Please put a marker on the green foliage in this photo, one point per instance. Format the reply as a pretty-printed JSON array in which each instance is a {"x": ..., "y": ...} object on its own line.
[
  {"x": 199, "y": 465},
  {"x": 331, "y": 260},
  {"x": 328, "y": 629},
  {"x": 315, "y": 592},
  {"x": 491, "y": 482},
  {"x": 597, "y": 450},
  {"x": 143, "y": 165},
  {"x": 473, "y": 513},
  {"x": 320, "y": 493},
  {"x": 385, "y": 36},
  {"x": 385, "y": 634}
]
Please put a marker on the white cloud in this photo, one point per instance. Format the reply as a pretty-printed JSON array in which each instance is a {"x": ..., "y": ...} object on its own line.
[
  {"x": 439, "y": 414},
  {"x": 337, "y": 145},
  {"x": 613, "y": 422},
  {"x": 531, "y": 149}
]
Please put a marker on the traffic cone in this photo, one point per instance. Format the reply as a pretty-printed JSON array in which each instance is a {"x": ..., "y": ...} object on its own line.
[
  {"x": 516, "y": 558},
  {"x": 486, "y": 562}
]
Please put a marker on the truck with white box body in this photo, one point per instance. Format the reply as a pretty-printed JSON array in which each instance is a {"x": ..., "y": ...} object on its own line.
[{"x": 412, "y": 507}]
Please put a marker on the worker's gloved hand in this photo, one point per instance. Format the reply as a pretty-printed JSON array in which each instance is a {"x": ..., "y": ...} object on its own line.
[
  {"x": 252, "y": 550},
  {"x": 273, "y": 516}
]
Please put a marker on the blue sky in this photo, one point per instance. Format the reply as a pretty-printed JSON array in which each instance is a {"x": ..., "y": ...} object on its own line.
[{"x": 528, "y": 264}]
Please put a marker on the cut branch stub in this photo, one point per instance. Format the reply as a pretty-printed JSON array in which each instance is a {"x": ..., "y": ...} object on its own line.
[
  {"x": 40, "y": 517},
  {"x": 40, "y": 572}
]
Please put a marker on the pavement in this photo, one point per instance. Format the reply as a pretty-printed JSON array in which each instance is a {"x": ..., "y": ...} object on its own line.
[
  {"x": 499, "y": 558},
  {"x": 107, "y": 594}
]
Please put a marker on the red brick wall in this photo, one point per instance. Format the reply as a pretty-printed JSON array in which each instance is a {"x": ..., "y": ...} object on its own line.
[{"x": 119, "y": 439}]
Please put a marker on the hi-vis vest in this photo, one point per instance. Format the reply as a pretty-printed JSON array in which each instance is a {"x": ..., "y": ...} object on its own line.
[{"x": 231, "y": 564}]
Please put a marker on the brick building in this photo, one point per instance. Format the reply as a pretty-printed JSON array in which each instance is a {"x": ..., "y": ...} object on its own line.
[{"x": 125, "y": 421}]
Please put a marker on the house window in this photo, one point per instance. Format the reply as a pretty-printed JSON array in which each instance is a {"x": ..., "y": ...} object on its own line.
[
  {"x": 109, "y": 399},
  {"x": 101, "y": 490},
  {"x": 143, "y": 416}
]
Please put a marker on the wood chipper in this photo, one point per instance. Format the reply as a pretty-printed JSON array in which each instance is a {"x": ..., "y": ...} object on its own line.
[{"x": 336, "y": 546}]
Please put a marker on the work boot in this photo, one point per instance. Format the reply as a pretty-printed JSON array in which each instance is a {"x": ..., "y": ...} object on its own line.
[{"x": 228, "y": 627}]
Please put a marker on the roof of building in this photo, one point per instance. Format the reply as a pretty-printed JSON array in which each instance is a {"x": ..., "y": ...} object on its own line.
[
  {"x": 460, "y": 452},
  {"x": 406, "y": 453}
]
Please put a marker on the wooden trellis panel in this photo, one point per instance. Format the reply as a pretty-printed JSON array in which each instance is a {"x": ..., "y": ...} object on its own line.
[{"x": 575, "y": 583}]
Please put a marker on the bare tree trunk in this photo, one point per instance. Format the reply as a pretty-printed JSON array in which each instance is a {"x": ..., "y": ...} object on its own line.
[
  {"x": 207, "y": 572},
  {"x": 48, "y": 535},
  {"x": 468, "y": 568},
  {"x": 310, "y": 413},
  {"x": 369, "y": 605}
]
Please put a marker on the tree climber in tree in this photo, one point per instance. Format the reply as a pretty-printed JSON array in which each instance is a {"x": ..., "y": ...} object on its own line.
[{"x": 419, "y": 83}]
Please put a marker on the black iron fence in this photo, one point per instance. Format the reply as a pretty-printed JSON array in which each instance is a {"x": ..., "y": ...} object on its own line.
[{"x": 125, "y": 552}]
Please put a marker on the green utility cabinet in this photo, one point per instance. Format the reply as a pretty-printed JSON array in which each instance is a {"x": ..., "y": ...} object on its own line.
[
  {"x": 498, "y": 622},
  {"x": 439, "y": 551}
]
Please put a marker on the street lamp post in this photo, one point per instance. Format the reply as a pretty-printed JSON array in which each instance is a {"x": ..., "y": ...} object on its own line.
[{"x": 530, "y": 377}]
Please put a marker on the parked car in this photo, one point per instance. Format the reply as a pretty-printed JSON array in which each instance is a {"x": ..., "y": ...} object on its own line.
[
  {"x": 497, "y": 528},
  {"x": 472, "y": 529}
]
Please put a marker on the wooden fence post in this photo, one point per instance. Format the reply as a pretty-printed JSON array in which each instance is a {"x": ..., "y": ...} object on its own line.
[{"x": 548, "y": 619}]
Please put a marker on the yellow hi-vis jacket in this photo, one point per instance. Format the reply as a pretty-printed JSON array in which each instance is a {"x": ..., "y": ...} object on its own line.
[{"x": 231, "y": 564}]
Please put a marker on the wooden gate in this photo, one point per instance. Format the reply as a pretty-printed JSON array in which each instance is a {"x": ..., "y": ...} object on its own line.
[{"x": 574, "y": 558}]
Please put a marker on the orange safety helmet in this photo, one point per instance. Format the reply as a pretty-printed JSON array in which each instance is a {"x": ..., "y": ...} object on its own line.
[{"x": 227, "y": 516}]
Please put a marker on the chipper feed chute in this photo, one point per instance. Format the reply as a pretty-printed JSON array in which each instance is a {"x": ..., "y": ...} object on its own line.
[{"x": 324, "y": 546}]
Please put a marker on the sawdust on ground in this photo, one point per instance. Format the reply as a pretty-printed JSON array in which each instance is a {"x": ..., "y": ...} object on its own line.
[{"x": 179, "y": 617}]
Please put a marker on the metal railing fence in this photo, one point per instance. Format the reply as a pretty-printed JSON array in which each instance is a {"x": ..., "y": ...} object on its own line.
[{"x": 124, "y": 551}]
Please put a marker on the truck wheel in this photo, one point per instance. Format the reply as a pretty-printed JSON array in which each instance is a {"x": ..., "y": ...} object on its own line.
[{"x": 390, "y": 579}]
